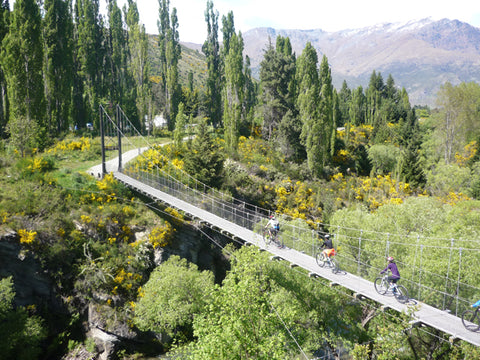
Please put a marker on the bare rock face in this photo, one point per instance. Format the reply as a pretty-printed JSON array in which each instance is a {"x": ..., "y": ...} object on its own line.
[{"x": 32, "y": 286}]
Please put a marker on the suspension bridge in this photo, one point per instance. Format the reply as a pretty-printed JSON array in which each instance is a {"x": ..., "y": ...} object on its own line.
[{"x": 436, "y": 301}]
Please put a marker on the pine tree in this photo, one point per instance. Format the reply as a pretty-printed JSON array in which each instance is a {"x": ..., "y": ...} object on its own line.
[
  {"x": 211, "y": 49},
  {"x": 22, "y": 59},
  {"x": 277, "y": 75},
  {"x": 58, "y": 64}
]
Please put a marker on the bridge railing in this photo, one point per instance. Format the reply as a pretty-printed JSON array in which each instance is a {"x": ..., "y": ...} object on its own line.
[
  {"x": 448, "y": 287},
  {"x": 447, "y": 292}
]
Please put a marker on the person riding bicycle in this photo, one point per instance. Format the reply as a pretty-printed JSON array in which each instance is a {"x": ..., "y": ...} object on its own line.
[
  {"x": 328, "y": 245},
  {"x": 273, "y": 225},
  {"x": 392, "y": 279}
]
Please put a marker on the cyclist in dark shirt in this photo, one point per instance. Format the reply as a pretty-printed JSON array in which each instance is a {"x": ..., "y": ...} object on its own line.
[
  {"x": 393, "y": 269},
  {"x": 328, "y": 245}
]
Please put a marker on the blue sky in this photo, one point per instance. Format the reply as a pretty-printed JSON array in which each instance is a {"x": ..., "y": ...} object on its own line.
[{"x": 328, "y": 15}]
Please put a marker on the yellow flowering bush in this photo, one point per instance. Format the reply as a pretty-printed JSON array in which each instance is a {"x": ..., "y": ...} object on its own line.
[
  {"x": 160, "y": 235},
  {"x": 26, "y": 236},
  {"x": 82, "y": 144}
]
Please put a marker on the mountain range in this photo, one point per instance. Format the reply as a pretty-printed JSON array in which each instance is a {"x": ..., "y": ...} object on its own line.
[{"x": 421, "y": 55}]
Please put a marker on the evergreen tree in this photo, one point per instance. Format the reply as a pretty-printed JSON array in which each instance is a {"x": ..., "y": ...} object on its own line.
[
  {"x": 308, "y": 103},
  {"x": 58, "y": 65},
  {"x": 233, "y": 92},
  {"x": 22, "y": 59},
  {"x": 211, "y": 49},
  {"x": 205, "y": 158},
  {"x": 277, "y": 75},
  {"x": 170, "y": 52}
]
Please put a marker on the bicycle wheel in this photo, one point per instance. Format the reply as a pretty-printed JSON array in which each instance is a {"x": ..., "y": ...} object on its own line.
[
  {"x": 380, "y": 286},
  {"x": 320, "y": 257},
  {"x": 266, "y": 237},
  {"x": 471, "y": 320},
  {"x": 401, "y": 294},
  {"x": 335, "y": 268},
  {"x": 278, "y": 241}
]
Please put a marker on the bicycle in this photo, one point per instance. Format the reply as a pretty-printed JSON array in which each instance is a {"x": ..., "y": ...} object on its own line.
[
  {"x": 323, "y": 260},
  {"x": 471, "y": 318},
  {"x": 268, "y": 238},
  {"x": 382, "y": 286}
]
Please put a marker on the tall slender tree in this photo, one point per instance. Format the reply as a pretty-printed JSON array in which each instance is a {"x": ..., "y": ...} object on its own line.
[
  {"x": 307, "y": 103},
  {"x": 90, "y": 58},
  {"x": 170, "y": 52},
  {"x": 211, "y": 49},
  {"x": 58, "y": 64},
  {"x": 138, "y": 64},
  {"x": 22, "y": 59},
  {"x": 326, "y": 112},
  {"x": 233, "y": 92},
  {"x": 4, "y": 24}
]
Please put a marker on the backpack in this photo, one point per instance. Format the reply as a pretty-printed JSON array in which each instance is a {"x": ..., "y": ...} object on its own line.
[{"x": 276, "y": 225}]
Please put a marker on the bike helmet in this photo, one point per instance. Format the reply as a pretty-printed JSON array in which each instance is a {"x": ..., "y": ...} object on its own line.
[
  {"x": 326, "y": 236},
  {"x": 272, "y": 216},
  {"x": 390, "y": 258}
]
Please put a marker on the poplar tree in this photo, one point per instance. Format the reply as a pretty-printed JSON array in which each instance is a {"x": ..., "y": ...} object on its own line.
[
  {"x": 90, "y": 55},
  {"x": 4, "y": 23},
  {"x": 138, "y": 64},
  {"x": 233, "y": 92},
  {"x": 58, "y": 64},
  {"x": 307, "y": 103},
  {"x": 170, "y": 52},
  {"x": 22, "y": 59},
  {"x": 327, "y": 126},
  {"x": 211, "y": 49}
]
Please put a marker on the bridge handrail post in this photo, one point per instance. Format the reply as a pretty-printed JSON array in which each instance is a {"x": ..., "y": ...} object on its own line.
[
  {"x": 458, "y": 279},
  {"x": 420, "y": 274},
  {"x": 448, "y": 272},
  {"x": 359, "y": 251}
]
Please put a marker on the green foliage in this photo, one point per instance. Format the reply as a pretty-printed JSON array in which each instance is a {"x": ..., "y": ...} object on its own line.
[
  {"x": 21, "y": 333},
  {"x": 445, "y": 179},
  {"x": 263, "y": 304},
  {"x": 384, "y": 158},
  {"x": 205, "y": 159},
  {"x": 176, "y": 293}
]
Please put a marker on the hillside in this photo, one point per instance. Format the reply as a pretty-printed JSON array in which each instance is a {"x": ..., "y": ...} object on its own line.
[
  {"x": 192, "y": 60},
  {"x": 421, "y": 55}
]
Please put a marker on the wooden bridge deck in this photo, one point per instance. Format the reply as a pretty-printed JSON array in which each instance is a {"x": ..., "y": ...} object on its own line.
[{"x": 426, "y": 314}]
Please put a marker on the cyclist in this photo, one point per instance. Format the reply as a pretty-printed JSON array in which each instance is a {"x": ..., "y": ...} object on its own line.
[
  {"x": 273, "y": 225},
  {"x": 328, "y": 245},
  {"x": 392, "y": 279}
]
